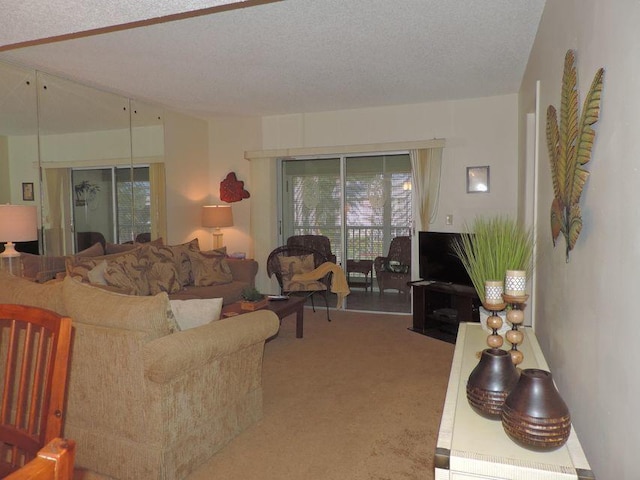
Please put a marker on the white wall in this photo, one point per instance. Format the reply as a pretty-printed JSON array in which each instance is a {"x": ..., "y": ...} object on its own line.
[
  {"x": 481, "y": 131},
  {"x": 187, "y": 175},
  {"x": 585, "y": 318},
  {"x": 229, "y": 138}
]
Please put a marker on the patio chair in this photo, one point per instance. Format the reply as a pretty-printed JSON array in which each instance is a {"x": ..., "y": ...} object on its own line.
[
  {"x": 286, "y": 261},
  {"x": 320, "y": 243},
  {"x": 394, "y": 270}
]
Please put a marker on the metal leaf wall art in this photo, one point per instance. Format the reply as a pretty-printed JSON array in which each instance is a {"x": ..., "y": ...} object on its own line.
[{"x": 570, "y": 146}]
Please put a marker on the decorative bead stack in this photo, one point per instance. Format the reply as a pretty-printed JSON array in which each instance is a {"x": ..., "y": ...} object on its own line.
[{"x": 515, "y": 316}]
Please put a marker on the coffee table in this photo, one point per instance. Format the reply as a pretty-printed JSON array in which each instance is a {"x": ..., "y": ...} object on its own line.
[{"x": 282, "y": 308}]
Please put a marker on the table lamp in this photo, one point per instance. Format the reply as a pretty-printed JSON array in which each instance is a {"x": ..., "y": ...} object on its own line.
[
  {"x": 18, "y": 223},
  {"x": 217, "y": 216}
]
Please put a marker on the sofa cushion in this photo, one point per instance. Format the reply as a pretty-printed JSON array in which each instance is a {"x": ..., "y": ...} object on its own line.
[
  {"x": 22, "y": 291},
  {"x": 230, "y": 292},
  {"x": 209, "y": 269},
  {"x": 196, "y": 312},
  {"x": 95, "y": 306}
]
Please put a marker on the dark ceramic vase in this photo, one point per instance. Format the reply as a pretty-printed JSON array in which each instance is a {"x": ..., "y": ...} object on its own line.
[
  {"x": 534, "y": 414},
  {"x": 490, "y": 382}
]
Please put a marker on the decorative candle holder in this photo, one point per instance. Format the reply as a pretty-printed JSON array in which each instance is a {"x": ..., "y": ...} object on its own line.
[
  {"x": 515, "y": 283},
  {"x": 494, "y": 322},
  {"x": 515, "y": 316}
]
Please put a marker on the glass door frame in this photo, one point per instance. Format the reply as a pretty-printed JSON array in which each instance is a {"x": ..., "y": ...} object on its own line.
[{"x": 343, "y": 165}]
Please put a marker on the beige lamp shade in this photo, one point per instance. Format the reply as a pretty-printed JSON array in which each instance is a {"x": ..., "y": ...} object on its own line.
[
  {"x": 18, "y": 223},
  {"x": 216, "y": 216}
]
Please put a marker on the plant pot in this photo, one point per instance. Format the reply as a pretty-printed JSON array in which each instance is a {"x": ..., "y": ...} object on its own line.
[
  {"x": 255, "y": 305},
  {"x": 490, "y": 382},
  {"x": 534, "y": 414}
]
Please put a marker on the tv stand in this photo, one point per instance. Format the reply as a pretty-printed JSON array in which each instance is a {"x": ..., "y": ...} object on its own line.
[{"x": 438, "y": 308}]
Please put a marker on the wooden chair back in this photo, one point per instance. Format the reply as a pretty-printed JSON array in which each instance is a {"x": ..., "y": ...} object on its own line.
[
  {"x": 54, "y": 462},
  {"x": 34, "y": 359}
]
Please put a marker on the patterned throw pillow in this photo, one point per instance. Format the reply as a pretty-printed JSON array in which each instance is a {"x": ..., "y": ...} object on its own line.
[
  {"x": 134, "y": 266},
  {"x": 290, "y": 266},
  {"x": 115, "y": 276},
  {"x": 176, "y": 254},
  {"x": 209, "y": 269},
  {"x": 163, "y": 277}
]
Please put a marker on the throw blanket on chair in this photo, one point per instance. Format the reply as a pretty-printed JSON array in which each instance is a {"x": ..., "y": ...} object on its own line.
[{"x": 339, "y": 284}]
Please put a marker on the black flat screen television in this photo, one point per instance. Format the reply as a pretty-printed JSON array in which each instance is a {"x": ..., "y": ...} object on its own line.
[{"x": 438, "y": 262}]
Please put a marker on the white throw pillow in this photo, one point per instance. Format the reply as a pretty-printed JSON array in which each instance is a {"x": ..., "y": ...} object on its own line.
[
  {"x": 96, "y": 274},
  {"x": 196, "y": 312}
]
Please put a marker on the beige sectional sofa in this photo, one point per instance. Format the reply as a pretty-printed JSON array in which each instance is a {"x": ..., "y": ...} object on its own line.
[
  {"x": 146, "y": 401},
  {"x": 183, "y": 271}
]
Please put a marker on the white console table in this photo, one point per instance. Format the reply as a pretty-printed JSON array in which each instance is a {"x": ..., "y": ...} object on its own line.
[{"x": 471, "y": 447}]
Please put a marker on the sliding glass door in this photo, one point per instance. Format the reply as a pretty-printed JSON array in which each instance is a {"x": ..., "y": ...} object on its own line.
[
  {"x": 360, "y": 202},
  {"x": 110, "y": 204}
]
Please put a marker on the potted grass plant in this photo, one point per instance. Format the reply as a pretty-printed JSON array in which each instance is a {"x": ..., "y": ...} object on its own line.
[{"x": 496, "y": 244}]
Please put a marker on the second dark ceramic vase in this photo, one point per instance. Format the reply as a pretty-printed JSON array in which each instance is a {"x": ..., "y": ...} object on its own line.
[
  {"x": 490, "y": 382},
  {"x": 534, "y": 414}
]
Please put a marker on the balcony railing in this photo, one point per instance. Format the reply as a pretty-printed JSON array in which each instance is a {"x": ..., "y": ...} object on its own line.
[{"x": 362, "y": 243}]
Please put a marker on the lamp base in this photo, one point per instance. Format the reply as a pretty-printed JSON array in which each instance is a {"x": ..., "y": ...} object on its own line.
[
  {"x": 217, "y": 239},
  {"x": 10, "y": 260}
]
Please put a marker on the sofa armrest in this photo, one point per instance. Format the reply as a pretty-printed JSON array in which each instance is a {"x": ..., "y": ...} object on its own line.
[
  {"x": 243, "y": 270},
  {"x": 170, "y": 356}
]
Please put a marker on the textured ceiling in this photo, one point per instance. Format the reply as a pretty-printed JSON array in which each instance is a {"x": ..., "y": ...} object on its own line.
[{"x": 286, "y": 56}]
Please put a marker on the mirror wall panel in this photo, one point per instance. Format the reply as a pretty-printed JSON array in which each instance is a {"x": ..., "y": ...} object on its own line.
[
  {"x": 148, "y": 182},
  {"x": 95, "y": 159},
  {"x": 84, "y": 134},
  {"x": 18, "y": 141}
]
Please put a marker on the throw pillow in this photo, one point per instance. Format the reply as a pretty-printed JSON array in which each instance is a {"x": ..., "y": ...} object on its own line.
[
  {"x": 196, "y": 312},
  {"x": 289, "y": 266},
  {"x": 96, "y": 274},
  {"x": 135, "y": 267},
  {"x": 115, "y": 276},
  {"x": 209, "y": 269},
  {"x": 178, "y": 255},
  {"x": 163, "y": 277}
]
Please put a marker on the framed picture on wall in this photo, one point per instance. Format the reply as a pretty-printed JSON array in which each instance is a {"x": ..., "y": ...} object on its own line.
[
  {"x": 478, "y": 179},
  {"x": 27, "y": 192}
]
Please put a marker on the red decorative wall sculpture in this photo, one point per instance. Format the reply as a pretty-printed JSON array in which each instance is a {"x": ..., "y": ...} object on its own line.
[{"x": 232, "y": 189}]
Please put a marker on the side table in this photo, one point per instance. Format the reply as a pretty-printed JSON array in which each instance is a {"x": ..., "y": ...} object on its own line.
[
  {"x": 363, "y": 267},
  {"x": 282, "y": 308}
]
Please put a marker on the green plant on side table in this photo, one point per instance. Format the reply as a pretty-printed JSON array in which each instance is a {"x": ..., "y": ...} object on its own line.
[
  {"x": 252, "y": 299},
  {"x": 496, "y": 244}
]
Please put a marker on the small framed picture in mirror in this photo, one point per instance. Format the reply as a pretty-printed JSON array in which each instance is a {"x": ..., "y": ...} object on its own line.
[
  {"x": 478, "y": 179},
  {"x": 27, "y": 192}
]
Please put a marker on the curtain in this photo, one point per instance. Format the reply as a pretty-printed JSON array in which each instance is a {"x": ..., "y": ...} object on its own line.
[
  {"x": 157, "y": 183},
  {"x": 57, "y": 241},
  {"x": 426, "y": 164}
]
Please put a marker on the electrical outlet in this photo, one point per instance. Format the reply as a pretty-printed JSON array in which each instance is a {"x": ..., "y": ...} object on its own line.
[{"x": 449, "y": 219}]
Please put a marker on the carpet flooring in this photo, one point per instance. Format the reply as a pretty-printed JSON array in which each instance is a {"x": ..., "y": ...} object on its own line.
[{"x": 358, "y": 398}]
